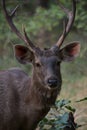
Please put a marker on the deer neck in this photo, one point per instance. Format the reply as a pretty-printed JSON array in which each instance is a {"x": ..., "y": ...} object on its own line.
[{"x": 41, "y": 96}]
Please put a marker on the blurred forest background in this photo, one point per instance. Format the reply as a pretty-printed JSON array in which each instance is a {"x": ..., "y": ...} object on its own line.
[{"x": 43, "y": 20}]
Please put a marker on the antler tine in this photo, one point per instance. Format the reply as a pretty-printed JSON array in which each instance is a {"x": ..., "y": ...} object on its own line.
[
  {"x": 14, "y": 11},
  {"x": 61, "y": 39},
  {"x": 71, "y": 17},
  {"x": 29, "y": 43},
  {"x": 13, "y": 27}
]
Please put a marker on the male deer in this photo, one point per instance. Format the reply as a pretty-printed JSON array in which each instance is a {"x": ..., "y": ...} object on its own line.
[{"x": 24, "y": 100}]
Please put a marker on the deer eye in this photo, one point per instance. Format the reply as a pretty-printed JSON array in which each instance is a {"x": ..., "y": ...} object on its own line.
[{"x": 38, "y": 65}]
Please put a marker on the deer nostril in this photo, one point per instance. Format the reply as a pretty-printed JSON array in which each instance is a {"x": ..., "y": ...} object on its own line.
[{"x": 52, "y": 82}]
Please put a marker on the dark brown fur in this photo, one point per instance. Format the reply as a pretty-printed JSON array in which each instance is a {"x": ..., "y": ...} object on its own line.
[{"x": 24, "y": 102}]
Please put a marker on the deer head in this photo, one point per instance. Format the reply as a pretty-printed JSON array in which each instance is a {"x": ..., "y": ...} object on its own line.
[{"x": 46, "y": 63}]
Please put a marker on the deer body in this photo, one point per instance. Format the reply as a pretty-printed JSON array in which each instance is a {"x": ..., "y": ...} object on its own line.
[
  {"x": 24, "y": 100},
  {"x": 20, "y": 105}
]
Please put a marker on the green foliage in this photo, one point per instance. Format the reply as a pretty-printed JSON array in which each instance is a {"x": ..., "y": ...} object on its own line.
[
  {"x": 49, "y": 19},
  {"x": 44, "y": 19},
  {"x": 57, "y": 124},
  {"x": 81, "y": 18},
  {"x": 59, "y": 119},
  {"x": 59, "y": 116}
]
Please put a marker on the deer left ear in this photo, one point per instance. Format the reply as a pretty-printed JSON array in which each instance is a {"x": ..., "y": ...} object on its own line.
[
  {"x": 23, "y": 54},
  {"x": 69, "y": 52}
]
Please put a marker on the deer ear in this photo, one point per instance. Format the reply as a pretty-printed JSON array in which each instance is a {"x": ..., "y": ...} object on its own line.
[
  {"x": 23, "y": 54},
  {"x": 69, "y": 52}
]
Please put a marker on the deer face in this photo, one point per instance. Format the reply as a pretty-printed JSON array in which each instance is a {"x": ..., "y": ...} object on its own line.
[
  {"x": 47, "y": 69},
  {"x": 46, "y": 63}
]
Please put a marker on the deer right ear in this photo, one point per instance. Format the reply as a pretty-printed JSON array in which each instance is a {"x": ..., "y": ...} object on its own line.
[
  {"x": 69, "y": 52},
  {"x": 23, "y": 54}
]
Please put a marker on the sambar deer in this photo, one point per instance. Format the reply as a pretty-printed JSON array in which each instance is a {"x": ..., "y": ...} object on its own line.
[{"x": 24, "y": 100}]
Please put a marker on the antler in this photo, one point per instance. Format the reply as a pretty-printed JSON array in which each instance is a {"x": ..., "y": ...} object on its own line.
[
  {"x": 68, "y": 25},
  {"x": 9, "y": 18}
]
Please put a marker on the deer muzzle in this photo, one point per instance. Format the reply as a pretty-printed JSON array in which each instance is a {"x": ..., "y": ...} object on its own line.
[{"x": 52, "y": 82}]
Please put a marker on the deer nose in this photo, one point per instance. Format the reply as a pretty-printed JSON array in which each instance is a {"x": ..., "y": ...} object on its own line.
[{"x": 52, "y": 82}]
